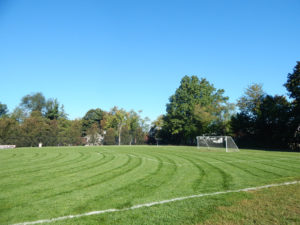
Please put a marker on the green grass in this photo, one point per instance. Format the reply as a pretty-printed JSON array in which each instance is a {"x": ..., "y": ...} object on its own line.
[
  {"x": 278, "y": 205},
  {"x": 51, "y": 182}
]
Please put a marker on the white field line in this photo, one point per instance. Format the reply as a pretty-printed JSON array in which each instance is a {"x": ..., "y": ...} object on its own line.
[{"x": 156, "y": 203}]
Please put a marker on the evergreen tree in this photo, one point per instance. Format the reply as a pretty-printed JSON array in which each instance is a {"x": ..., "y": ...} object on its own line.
[{"x": 53, "y": 110}]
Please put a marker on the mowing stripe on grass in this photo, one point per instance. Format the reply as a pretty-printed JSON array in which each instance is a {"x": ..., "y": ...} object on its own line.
[
  {"x": 212, "y": 162},
  {"x": 156, "y": 203},
  {"x": 155, "y": 160}
]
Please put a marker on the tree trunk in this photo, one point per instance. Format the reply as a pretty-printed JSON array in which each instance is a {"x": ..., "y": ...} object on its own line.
[{"x": 120, "y": 130}]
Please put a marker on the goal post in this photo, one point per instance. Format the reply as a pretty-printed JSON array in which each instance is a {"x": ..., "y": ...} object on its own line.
[{"x": 217, "y": 142}]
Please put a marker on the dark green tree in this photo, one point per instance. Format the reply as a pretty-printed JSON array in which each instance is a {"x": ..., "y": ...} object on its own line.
[
  {"x": 193, "y": 110},
  {"x": 93, "y": 116},
  {"x": 272, "y": 124},
  {"x": 263, "y": 120},
  {"x": 242, "y": 126},
  {"x": 293, "y": 83},
  {"x": 244, "y": 123},
  {"x": 53, "y": 110},
  {"x": 293, "y": 87}
]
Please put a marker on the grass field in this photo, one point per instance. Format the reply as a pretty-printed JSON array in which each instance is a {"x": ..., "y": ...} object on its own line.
[{"x": 46, "y": 183}]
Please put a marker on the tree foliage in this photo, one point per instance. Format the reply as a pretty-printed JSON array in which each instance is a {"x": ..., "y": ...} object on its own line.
[
  {"x": 126, "y": 136},
  {"x": 196, "y": 108},
  {"x": 293, "y": 83},
  {"x": 110, "y": 137},
  {"x": 93, "y": 134},
  {"x": 33, "y": 102},
  {"x": 250, "y": 102},
  {"x": 117, "y": 118},
  {"x": 272, "y": 124},
  {"x": 263, "y": 121},
  {"x": 53, "y": 110},
  {"x": 3, "y": 109},
  {"x": 155, "y": 131},
  {"x": 50, "y": 108},
  {"x": 293, "y": 87},
  {"x": 93, "y": 116},
  {"x": 9, "y": 130}
]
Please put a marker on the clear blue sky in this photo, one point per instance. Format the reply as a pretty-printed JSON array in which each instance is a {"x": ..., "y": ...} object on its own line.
[{"x": 133, "y": 54}]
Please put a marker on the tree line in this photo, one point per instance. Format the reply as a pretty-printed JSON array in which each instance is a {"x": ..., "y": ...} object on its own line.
[
  {"x": 40, "y": 120},
  {"x": 257, "y": 119},
  {"x": 196, "y": 108}
]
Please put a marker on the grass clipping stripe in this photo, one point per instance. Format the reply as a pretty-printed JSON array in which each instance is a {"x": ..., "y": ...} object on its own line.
[{"x": 155, "y": 203}]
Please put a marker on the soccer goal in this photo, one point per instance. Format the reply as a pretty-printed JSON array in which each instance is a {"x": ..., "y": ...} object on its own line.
[{"x": 217, "y": 142}]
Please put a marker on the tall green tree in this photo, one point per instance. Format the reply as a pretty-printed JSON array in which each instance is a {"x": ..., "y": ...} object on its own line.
[
  {"x": 34, "y": 130},
  {"x": 133, "y": 125},
  {"x": 244, "y": 123},
  {"x": 34, "y": 102},
  {"x": 138, "y": 127},
  {"x": 293, "y": 83},
  {"x": 53, "y": 110},
  {"x": 73, "y": 133},
  {"x": 193, "y": 110},
  {"x": 117, "y": 118},
  {"x": 93, "y": 116},
  {"x": 272, "y": 124},
  {"x": 263, "y": 120},
  {"x": 293, "y": 87},
  {"x": 250, "y": 102}
]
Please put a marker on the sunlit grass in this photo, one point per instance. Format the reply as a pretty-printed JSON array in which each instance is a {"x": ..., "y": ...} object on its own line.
[{"x": 52, "y": 182}]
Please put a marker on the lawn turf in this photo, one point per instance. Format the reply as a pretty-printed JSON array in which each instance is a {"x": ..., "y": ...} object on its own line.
[{"x": 44, "y": 183}]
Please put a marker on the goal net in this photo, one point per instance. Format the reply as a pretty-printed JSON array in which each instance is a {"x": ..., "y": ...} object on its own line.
[{"x": 217, "y": 142}]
